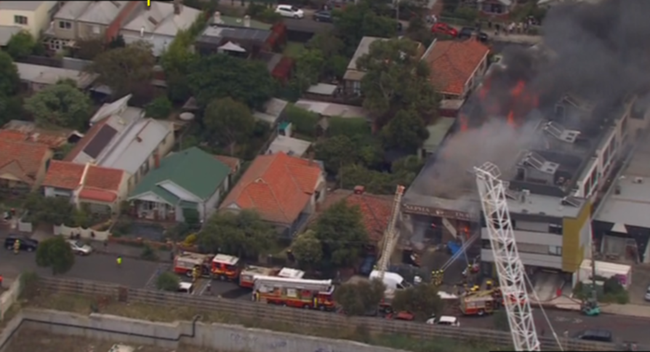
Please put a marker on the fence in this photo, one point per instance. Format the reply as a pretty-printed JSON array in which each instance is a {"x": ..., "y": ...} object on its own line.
[
  {"x": 297, "y": 317},
  {"x": 89, "y": 234},
  {"x": 8, "y": 297}
]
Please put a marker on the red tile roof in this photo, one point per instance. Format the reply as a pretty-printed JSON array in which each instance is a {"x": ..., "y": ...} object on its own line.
[
  {"x": 87, "y": 138},
  {"x": 53, "y": 140},
  {"x": 67, "y": 175},
  {"x": 63, "y": 175},
  {"x": 376, "y": 210},
  {"x": 22, "y": 159},
  {"x": 229, "y": 161},
  {"x": 277, "y": 186},
  {"x": 453, "y": 63}
]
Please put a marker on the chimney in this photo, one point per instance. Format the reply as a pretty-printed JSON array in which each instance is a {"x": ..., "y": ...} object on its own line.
[
  {"x": 359, "y": 189},
  {"x": 217, "y": 17},
  {"x": 156, "y": 160},
  {"x": 247, "y": 21},
  {"x": 178, "y": 7}
]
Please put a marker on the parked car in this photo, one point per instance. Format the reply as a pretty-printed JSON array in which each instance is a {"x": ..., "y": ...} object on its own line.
[
  {"x": 26, "y": 243},
  {"x": 323, "y": 16},
  {"x": 444, "y": 320},
  {"x": 467, "y": 32},
  {"x": 79, "y": 247},
  {"x": 599, "y": 335},
  {"x": 289, "y": 11},
  {"x": 186, "y": 287},
  {"x": 647, "y": 293},
  {"x": 443, "y": 28}
]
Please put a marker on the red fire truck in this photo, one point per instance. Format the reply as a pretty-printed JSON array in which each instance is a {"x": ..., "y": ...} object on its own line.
[
  {"x": 225, "y": 267},
  {"x": 299, "y": 293},
  {"x": 477, "y": 304},
  {"x": 247, "y": 276},
  {"x": 185, "y": 262}
]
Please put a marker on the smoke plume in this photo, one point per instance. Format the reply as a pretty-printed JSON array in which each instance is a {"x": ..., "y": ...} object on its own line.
[{"x": 598, "y": 52}]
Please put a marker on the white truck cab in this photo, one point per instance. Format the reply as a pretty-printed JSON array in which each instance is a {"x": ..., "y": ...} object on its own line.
[{"x": 392, "y": 281}]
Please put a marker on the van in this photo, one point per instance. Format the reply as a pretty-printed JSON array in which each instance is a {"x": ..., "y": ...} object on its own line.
[
  {"x": 186, "y": 287},
  {"x": 392, "y": 281},
  {"x": 595, "y": 335},
  {"x": 444, "y": 320}
]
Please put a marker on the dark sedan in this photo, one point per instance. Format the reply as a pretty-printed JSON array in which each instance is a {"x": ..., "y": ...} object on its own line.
[
  {"x": 467, "y": 32},
  {"x": 323, "y": 16}
]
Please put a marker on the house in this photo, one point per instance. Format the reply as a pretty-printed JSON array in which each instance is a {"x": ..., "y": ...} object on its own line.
[
  {"x": 375, "y": 209},
  {"x": 27, "y": 131},
  {"x": 333, "y": 109},
  {"x": 288, "y": 145},
  {"x": 496, "y": 7},
  {"x": 190, "y": 179},
  {"x": 22, "y": 165},
  {"x": 121, "y": 138},
  {"x": 353, "y": 76},
  {"x": 158, "y": 24},
  {"x": 102, "y": 189},
  {"x": 92, "y": 19},
  {"x": 240, "y": 37},
  {"x": 31, "y": 16},
  {"x": 37, "y": 77},
  {"x": 456, "y": 66},
  {"x": 283, "y": 189}
]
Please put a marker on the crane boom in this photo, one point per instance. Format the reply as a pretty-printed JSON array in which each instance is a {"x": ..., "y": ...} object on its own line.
[
  {"x": 506, "y": 257},
  {"x": 390, "y": 235}
]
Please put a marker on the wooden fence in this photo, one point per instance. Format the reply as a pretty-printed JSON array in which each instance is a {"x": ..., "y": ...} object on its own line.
[{"x": 314, "y": 319}]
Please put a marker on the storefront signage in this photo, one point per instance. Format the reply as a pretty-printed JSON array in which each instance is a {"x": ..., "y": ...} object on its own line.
[{"x": 429, "y": 211}]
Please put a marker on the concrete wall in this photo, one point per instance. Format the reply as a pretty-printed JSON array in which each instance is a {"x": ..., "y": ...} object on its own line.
[
  {"x": 85, "y": 233},
  {"x": 169, "y": 335},
  {"x": 9, "y": 297}
]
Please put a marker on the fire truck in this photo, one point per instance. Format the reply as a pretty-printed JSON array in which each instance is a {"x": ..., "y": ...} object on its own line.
[
  {"x": 477, "y": 304},
  {"x": 225, "y": 267},
  {"x": 299, "y": 293},
  {"x": 185, "y": 262},
  {"x": 247, "y": 276}
]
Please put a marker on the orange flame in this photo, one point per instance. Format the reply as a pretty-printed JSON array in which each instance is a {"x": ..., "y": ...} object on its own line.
[{"x": 518, "y": 89}]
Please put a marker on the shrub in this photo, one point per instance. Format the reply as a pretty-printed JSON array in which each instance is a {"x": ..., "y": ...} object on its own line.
[
  {"x": 303, "y": 121},
  {"x": 168, "y": 281},
  {"x": 159, "y": 108},
  {"x": 350, "y": 127},
  {"x": 190, "y": 240},
  {"x": 148, "y": 253}
]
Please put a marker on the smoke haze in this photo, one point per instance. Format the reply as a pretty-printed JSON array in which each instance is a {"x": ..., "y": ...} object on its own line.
[{"x": 600, "y": 52}]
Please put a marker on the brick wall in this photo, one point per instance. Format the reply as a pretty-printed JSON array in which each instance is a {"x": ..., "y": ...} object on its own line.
[{"x": 114, "y": 28}]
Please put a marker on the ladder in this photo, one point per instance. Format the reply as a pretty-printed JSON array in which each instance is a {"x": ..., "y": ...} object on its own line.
[
  {"x": 390, "y": 235},
  {"x": 298, "y": 284}
]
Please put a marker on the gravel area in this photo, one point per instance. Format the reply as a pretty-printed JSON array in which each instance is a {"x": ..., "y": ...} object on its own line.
[{"x": 27, "y": 340}]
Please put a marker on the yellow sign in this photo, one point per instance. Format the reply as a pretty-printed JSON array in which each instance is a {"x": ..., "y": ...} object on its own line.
[{"x": 148, "y": 3}]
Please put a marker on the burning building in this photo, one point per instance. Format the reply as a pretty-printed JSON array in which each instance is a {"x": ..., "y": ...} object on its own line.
[{"x": 553, "y": 125}]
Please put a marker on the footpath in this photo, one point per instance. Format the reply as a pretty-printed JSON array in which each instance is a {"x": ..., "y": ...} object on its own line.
[{"x": 567, "y": 303}]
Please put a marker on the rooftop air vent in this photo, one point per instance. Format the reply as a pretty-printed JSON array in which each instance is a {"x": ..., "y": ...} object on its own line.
[
  {"x": 558, "y": 131},
  {"x": 570, "y": 201},
  {"x": 538, "y": 162}
]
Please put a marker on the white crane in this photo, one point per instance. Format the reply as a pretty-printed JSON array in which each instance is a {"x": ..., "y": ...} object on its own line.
[
  {"x": 390, "y": 235},
  {"x": 512, "y": 277}
]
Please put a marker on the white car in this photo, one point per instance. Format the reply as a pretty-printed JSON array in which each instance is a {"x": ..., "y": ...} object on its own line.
[
  {"x": 444, "y": 320},
  {"x": 186, "y": 287},
  {"x": 289, "y": 11},
  {"x": 79, "y": 247}
]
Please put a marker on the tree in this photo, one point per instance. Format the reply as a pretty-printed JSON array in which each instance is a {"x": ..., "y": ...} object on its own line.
[
  {"x": 242, "y": 234},
  {"x": 336, "y": 152},
  {"x": 331, "y": 49},
  {"x": 159, "y": 108},
  {"x": 307, "y": 249},
  {"x": 373, "y": 181},
  {"x": 21, "y": 45},
  {"x": 9, "y": 79},
  {"x": 421, "y": 300},
  {"x": 341, "y": 231},
  {"x": 396, "y": 79},
  {"x": 419, "y": 31},
  {"x": 168, "y": 281},
  {"x": 229, "y": 121},
  {"x": 359, "y": 20},
  {"x": 219, "y": 76},
  {"x": 405, "y": 131},
  {"x": 126, "y": 69},
  {"x": 55, "y": 253},
  {"x": 176, "y": 62},
  {"x": 362, "y": 298},
  {"x": 309, "y": 66},
  {"x": 88, "y": 49},
  {"x": 48, "y": 210},
  {"x": 60, "y": 105}
]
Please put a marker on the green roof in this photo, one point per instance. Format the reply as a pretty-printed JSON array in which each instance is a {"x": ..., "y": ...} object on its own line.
[
  {"x": 437, "y": 133},
  {"x": 192, "y": 169}
]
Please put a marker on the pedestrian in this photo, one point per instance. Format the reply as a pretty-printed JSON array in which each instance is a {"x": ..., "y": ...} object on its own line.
[
  {"x": 16, "y": 246},
  {"x": 119, "y": 261}
]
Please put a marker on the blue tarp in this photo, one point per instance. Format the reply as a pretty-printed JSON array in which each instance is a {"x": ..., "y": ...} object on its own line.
[{"x": 454, "y": 247}]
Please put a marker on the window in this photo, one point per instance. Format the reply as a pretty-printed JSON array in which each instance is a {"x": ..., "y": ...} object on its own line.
[
  {"x": 20, "y": 20},
  {"x": 555, "y": 250},
  {"x": 555, "y": 228},
  {"x": 485, "y": 244},
  {"x": 95, "y": 29},
  {"x": 65, "y": 25}
]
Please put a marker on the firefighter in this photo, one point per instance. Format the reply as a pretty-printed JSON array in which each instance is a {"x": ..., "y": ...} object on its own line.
[
  {"x": 16, "y": 246},
  {"x": 476, "y": 288},
  {"x": 195, "y": 273},
  {"x": 119, "y": 261},
  {"x": 488, "y": 284}
]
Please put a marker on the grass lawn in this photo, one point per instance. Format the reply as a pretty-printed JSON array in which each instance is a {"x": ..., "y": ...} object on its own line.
[{"x": 293, "y": 49}]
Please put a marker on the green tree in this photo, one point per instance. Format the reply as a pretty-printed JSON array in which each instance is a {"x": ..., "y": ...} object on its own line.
[
  {"x": 360, "y": 20},
  {"x": 421, "y": 300},
  {"x": 176, "y": 62},
  {"x": 419, "y": 31},
  {"x": 61, "y": 104},
  {"x": 168, "y": 281},
  {"x": 332, "y": 51},
  {"x": 341, "y": 230},
  {"x": 396, "y": 79},
  {"x": 55, "y": 253},
  {"x": 336, "y": 152},
  {"x": 362, "y": 298},
  {"x": 89, "y": 48},
  {"x": 242, "y": 234},
  {"x": 307, "y": 249},
  {"x": 159, "y": 108},
  {"x": 405, "y": 131},
  {"x": 9, "y": 79},
  {"x": 309, "y": 66},
  {"x": 126, "y": 69},
  {"x": 219, "y": 76},
  {"x": 374, "y": 181},
  {"x": 21, "y": 45},
  {"x": 231, "y": 122},
  {"x": 48, "y": 210}
]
